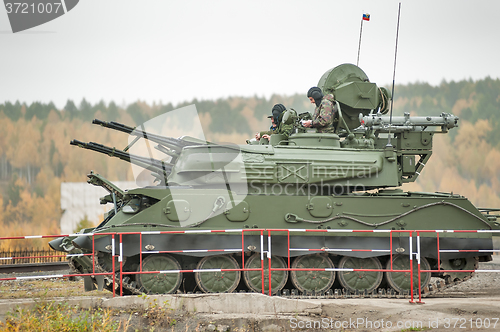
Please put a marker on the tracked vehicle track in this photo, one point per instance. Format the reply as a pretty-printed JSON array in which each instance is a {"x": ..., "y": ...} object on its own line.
[
  {"x": 127, "y": 284},
  {"x": 130, "y": 287}
]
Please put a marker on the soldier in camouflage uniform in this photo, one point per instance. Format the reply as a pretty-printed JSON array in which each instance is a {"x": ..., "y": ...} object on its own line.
[
  {"x": 324, "y": 114},
  {"x": 278, "y": 126},
  {"x": 272, "y": 129}
]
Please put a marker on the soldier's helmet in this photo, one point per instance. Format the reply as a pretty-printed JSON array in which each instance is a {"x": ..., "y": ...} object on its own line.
[
  {"x": 276, "y": 111},
  {"x": 316, "y": 94}
]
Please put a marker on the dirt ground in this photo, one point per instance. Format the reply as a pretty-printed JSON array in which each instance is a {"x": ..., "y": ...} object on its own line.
[{"x": 473, "y": 305}]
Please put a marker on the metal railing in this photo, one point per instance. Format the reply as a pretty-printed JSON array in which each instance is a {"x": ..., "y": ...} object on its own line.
[{"x": 265, "y": 252}]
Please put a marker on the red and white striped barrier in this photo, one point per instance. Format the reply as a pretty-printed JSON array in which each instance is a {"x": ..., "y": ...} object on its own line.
[{"x": 264, "y": 253}]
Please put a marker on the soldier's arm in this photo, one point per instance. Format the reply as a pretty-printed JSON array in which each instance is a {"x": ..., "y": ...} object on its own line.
[
  {"x": 286, "y": 130},
  {"x": 268, "y": 132}
]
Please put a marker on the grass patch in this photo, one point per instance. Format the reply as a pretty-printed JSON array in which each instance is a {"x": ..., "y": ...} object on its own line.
[
  {"x": 45, "y": 288},
  {"x": 62, "y": 317},
  {"x": 158, "y": 315}
]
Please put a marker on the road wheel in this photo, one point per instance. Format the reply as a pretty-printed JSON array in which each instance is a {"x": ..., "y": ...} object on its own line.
[
  {"x": 160, "y": 283},
  {"x": 253, "y": 279},
  {"x": 400, "y": 281},
  {"x": 360, "y": 280},
  {"x": 313, "y": 281},
  {"x": 217, "y": 281}
]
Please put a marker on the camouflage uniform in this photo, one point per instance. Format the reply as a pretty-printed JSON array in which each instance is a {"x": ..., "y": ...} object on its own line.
[
  {"x": 284, "y": 129},
  {"x": 269, "y": 132},
  {"x": 324, "y": 115}
]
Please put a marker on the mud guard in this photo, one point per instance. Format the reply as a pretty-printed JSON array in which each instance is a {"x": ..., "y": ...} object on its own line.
[{"x": 88, "y": 284}]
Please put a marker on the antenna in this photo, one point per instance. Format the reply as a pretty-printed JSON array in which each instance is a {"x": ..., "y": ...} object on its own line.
[{"x": 394, "y": 77}]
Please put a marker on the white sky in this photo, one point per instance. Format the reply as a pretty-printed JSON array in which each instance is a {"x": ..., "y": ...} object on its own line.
[{"x": 173, "y": 51}]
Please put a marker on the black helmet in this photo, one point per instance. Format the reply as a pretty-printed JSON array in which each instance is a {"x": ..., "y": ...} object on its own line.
[
  {"x": 277, "y": 110},
  {"x": 316, "y": 94}
]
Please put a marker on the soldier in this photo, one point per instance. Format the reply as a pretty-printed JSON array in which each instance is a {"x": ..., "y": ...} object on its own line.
[
  {"x": 271, "y": 130},
  {"x": 278, "y": 127},
  {"x": 324, "y": 113}
]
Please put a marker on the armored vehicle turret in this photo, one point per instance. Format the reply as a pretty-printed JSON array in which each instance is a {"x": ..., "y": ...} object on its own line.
[{"x": 327, "y": 204}]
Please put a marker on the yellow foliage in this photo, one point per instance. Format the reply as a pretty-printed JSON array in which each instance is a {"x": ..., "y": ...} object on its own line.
[
  {"x": 492, "y": 169},
  {"x": 235, "y": 138},
  {"x": 206, "y": 120},
  {"x": 32, "y": 215},
  {"x": 461, "y": 104},
  {"x": 457, "y": 167},
  {"x": 254, "y": 123},
  {"x": 1, "y": 214},
  {"x": 83, "y": 224}
]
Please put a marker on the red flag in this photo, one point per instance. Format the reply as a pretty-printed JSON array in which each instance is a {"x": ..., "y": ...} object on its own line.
[{"x": 366, "y": 17}]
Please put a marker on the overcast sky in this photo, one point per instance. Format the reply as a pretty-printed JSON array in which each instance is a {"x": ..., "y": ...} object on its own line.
[{"x": 173, "y": 51}]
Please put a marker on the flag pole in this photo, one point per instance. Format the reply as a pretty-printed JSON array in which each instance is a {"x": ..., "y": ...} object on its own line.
[{"x": 359, "y": 46}]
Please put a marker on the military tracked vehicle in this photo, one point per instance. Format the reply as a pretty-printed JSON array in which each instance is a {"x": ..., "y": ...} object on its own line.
[{"x": 330, "y": 199}]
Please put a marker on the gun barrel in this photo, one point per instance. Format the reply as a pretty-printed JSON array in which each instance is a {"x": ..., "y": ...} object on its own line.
[
  {"x": 172, "y": 143},
  {"x": 158, "y": 166},
  {"x": 114, "y": 125}
]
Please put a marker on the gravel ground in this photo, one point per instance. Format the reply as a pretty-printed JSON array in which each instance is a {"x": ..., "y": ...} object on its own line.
[{"x": 481, "y": 284}]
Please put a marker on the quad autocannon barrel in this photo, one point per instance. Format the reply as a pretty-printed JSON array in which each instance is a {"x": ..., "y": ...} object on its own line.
[
  {"x": 161, "y": 168},
  {"x": 172, "y": 143}
]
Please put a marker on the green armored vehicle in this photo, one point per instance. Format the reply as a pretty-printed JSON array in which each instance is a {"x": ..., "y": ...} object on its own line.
[{"x": 319, "y": 207}]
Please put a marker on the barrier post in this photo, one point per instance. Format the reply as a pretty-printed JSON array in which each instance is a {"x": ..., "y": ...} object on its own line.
[
  {"x": 411, "y": 265},
  {"x": 438, "y": 251},
  {"x": 242, "y": 250},
  {"x": 390, "y": 245},
  {"x": 269, "y": 260},
  {"x": 288, "y": 238},
  {"x": 418, "y": 271},
  {"x": 262, "y": 258},
  {"x": 140, "y": 252},
  {"x": 93, "y": 253},
  {"x": 120, "y": 260},
  {"x": 113, "y": 262}
]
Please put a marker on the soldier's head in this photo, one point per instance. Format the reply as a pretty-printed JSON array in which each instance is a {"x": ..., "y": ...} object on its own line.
[
  {"x": 315, "y": 95},
  {"x": 273, "y": 124},
  {"x": 276, "y": 111}
]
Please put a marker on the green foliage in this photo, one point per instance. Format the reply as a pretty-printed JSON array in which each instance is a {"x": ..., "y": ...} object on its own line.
[
  {"x": 263, "y": 107},
  {"x": 225, "y": 119},
  {"x": 12, "y": 111},
  {"x": 136, "y": 113},
  {"x": 13, "y": 191},
  {"x": 158, "y": 314},
  {"x": 470, "y": 100},
  {"x": 420, "y": 98},
  {"x": 83, "y": 224},
  {"x": 112, "y": 112},
  {"x": 164, "y": 109},
  {"x": 86, "y": 110},
  {"x": 61, "y": 317},
  {"x": 71, "y": 109}
]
